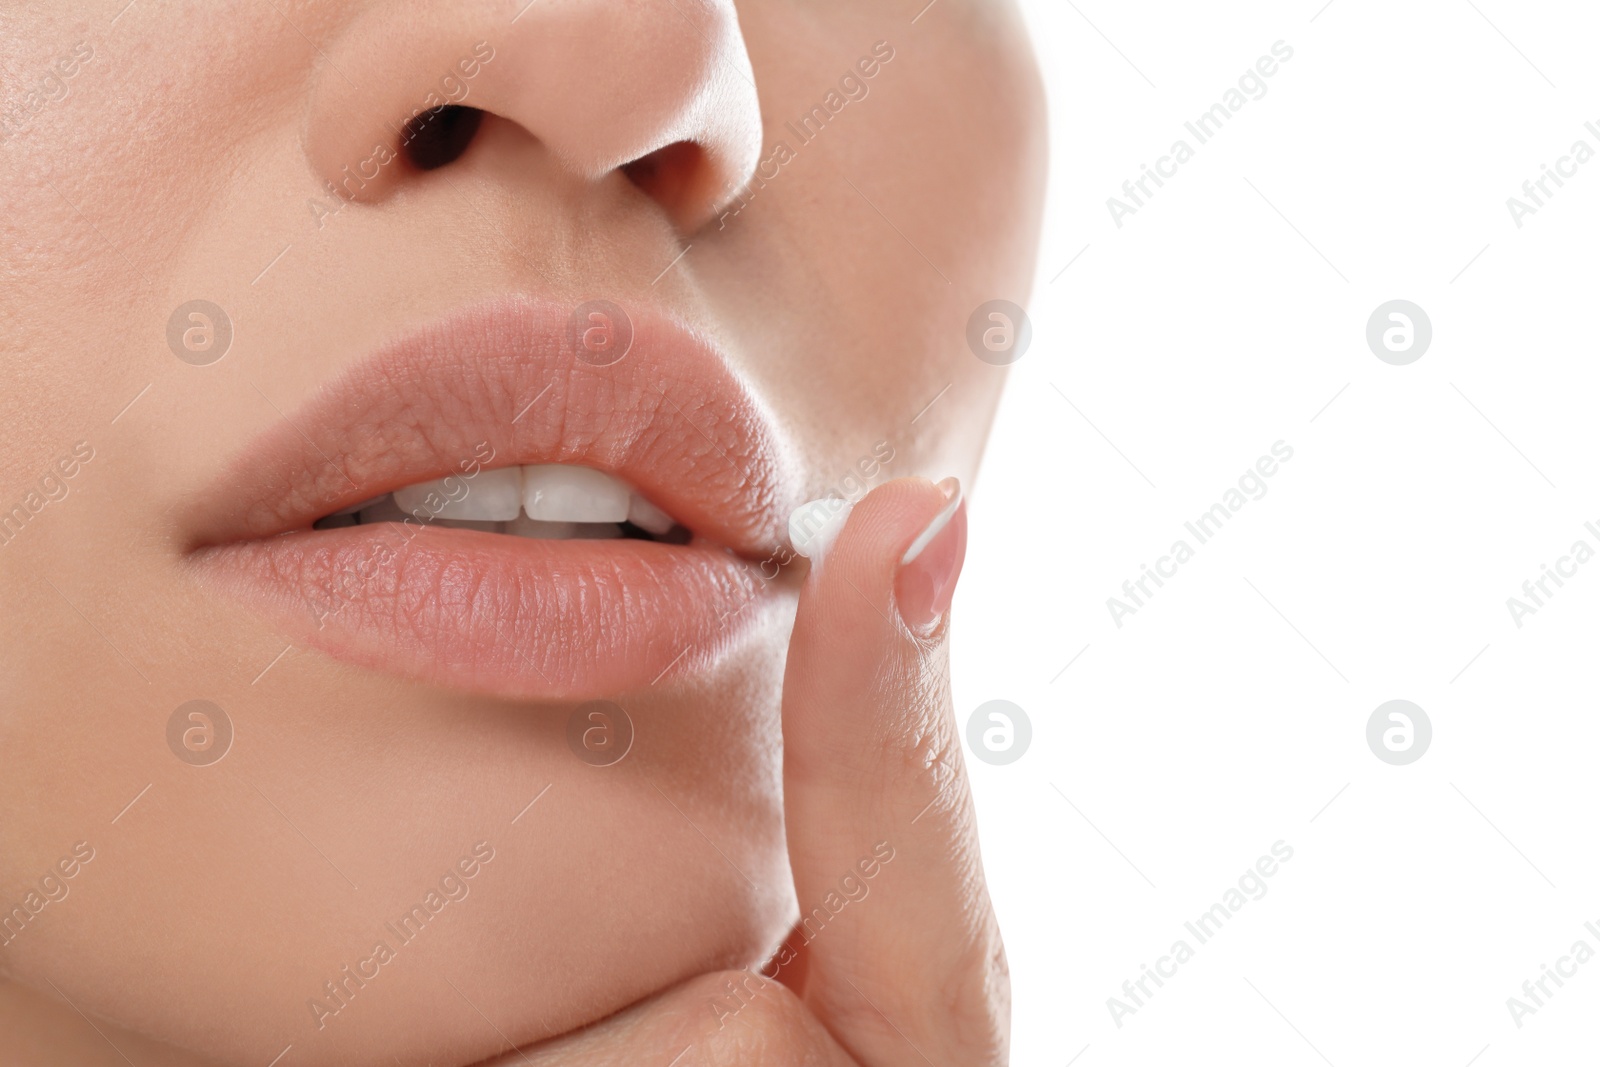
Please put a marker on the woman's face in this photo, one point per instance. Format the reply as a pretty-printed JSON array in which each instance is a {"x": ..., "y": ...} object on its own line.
[{"x": 724, "y": 253}]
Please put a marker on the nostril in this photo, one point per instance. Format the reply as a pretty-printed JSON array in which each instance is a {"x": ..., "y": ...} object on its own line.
[
  {"x": 668, "y": 175},
  {"x": 440, "y": 136}
]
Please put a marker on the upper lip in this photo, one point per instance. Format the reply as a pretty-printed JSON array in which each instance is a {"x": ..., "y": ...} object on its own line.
[{"x": 669, "y": 417}]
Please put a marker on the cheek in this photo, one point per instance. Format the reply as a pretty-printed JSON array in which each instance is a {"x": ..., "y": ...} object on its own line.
[
  {"x": 86, "y": 245},
  {"x": 883, "y": 336}
]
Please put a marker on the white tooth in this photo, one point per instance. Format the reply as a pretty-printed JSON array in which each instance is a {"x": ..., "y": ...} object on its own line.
[
  {"x": 647, "y": 516},
  {"x": 555, "y": 492},
  {"x": 489, "y": 496},
  {"x": 522, "y": 526}
]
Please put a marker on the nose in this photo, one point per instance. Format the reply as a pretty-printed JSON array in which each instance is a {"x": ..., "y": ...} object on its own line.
[{"x": 661, "y": 92}]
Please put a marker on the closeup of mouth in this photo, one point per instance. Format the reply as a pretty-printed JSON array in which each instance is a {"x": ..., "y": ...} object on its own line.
[{"x": 476, "y": 506}]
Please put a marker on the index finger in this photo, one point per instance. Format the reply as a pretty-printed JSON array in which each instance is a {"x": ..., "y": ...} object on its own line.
[{"x": 902, "y": 956}]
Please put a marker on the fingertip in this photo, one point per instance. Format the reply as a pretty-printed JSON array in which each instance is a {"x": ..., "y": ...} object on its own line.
[
  {"x": 883, "y": 527},
  {"x": 851, "y": 645},
  {"x": 930, "y": 568}
]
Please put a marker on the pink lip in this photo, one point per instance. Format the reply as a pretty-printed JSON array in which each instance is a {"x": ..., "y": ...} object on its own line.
[{"x": 496, "y": 385}]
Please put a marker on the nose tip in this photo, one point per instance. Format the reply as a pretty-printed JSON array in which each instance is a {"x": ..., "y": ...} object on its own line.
[{"x": 662, "y": 93}]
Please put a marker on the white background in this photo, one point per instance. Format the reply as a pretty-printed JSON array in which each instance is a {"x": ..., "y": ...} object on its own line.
[{"x": 1230, "y": 712}]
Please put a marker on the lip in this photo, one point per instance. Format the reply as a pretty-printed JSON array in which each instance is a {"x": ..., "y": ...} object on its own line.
[{"x": 493, "y": 385}]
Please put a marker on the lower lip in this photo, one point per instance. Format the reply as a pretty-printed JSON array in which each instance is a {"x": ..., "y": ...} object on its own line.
[{"x": 495, "y": 614}]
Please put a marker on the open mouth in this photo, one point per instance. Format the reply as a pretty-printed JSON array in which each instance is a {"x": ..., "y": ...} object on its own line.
[
  {"x": 475, "y": 507},
  {"x": 543, "y": 502}
]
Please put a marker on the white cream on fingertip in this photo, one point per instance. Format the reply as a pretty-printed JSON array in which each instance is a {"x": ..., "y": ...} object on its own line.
[{"x": 814, "y": 524}]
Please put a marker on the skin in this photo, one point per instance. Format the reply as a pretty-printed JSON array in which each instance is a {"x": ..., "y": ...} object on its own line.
[{"x": 175, "y": 164}]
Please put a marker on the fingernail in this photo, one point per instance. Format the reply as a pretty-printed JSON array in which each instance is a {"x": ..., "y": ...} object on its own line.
[
  {"x": 814, "y": 524},
  {"x": 930, "y": 567}
]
